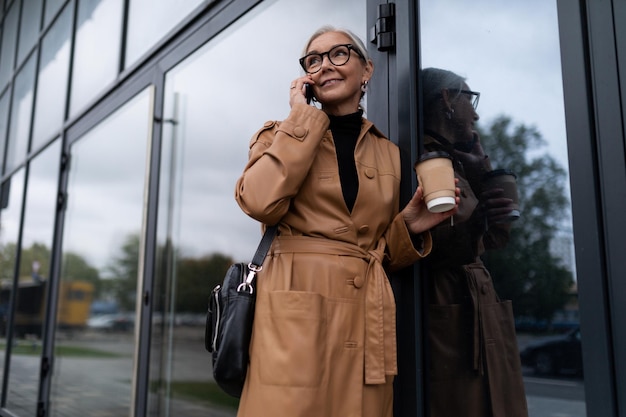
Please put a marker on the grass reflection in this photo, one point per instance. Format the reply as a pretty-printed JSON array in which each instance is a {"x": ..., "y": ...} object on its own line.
[
  {"x": 201, "y": 391},
  {"x": 67, "y": 351}
]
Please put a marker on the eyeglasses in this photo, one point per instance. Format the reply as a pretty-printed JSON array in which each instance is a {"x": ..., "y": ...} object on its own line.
[
  {"x": 473, "y": 96},
  {"x": 338, "y": 55}
]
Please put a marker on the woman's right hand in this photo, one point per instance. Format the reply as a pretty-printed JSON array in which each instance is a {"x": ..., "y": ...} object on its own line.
[{"x": 297, "y": 91}]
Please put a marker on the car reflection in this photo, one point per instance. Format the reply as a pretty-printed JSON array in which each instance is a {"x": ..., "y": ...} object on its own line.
[
  {"x": 554, "y": 355},
  {"x": 112, "y": 322}
]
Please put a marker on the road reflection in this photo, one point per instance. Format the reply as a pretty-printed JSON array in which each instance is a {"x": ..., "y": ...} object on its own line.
[{"x": 552, "y": 394}]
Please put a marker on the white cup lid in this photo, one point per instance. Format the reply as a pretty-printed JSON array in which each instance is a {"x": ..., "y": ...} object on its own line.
[{"x": 441, "y": 204}]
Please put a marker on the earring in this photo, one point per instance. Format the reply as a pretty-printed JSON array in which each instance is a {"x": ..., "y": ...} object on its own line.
[
  {"x": 449, "y": 113},
  {"x": 364, "y": 86}
]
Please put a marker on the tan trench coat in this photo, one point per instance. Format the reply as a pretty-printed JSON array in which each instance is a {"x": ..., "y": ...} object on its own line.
[
  {"x": 323, "y": 342},
  {"x": 475, "y": 368}
]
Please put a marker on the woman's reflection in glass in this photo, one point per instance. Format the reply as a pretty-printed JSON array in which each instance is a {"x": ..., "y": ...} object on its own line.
[{"x": 474, "y": 361}]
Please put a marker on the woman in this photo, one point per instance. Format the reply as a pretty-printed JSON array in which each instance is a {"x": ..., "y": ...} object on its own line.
[
  {"x": 323, "y": 342},
  {"x": 474, "y": 361}
]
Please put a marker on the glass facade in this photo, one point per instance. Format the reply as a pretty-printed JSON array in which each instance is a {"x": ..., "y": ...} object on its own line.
[
  {"x": 33, "y": 280},
  {"x": 124, "y": 125},
  {"x": 4, "y": 121},
  {"x": 99, "y": 270},
  {"x": 54, "y": 68},
  {"x": 96, "y": 57},
  {"x": 12, "y": 196},
  {"x": 530, "y": 260},
  {"x": 51, "y": 9},
  {"x": 150, "y": 21},
  {"x": 30, "y": 23},
  {"x": 8, "y": 47},
  {"x": 21, "y": 112}
]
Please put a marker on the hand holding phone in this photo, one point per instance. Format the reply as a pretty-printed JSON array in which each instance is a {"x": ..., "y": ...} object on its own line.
[{"x": 308, "y": 93}]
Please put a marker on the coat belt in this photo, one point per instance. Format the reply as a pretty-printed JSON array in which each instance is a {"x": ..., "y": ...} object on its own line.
[{"x": 380, "y": 306}]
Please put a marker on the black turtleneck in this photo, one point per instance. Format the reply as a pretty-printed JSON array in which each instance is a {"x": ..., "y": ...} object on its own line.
[{"x": 345, "y": 130}]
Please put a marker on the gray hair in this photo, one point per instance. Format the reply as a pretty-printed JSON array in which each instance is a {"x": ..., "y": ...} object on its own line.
[
  {"x": 354, "y": 40},
  {"x": 434, "y": 80}
]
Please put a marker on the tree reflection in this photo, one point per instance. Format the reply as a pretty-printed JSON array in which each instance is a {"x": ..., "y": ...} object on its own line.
[
  {"x": 193, "y": 276},
  {"x": 196, "y": 277},
  {"x": 123, "y": 271},
  {"x": 526, "y": 271}
]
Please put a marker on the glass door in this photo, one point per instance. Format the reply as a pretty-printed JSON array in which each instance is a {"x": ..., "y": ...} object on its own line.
[
  {"x": 95, "y": 341},
  {"x": 214, "y": 102},
  {"x": 508, "y": 55}
]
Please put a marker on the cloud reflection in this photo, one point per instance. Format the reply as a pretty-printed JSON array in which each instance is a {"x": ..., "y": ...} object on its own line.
[
  {"x": 509, "y": 52},
  {"x": 226, "y": 91}
]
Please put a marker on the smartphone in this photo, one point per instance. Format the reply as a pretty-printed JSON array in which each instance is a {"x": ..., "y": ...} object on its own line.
[{"x": 308, "y": 93}]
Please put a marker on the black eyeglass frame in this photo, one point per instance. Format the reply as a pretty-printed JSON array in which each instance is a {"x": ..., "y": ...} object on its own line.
[
  {"x": 327, "y": 53},
  {"x": 474, "y": 96}
]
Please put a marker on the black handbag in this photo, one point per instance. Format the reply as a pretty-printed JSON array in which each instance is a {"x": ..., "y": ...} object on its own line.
[{"x": 229, "y": 320}]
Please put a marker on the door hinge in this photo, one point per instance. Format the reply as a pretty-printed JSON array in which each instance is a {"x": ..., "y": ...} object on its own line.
[{"x": 383, "y": 33}]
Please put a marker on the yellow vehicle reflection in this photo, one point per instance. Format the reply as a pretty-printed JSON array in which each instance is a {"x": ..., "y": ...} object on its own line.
[{"x": 75, "y": 298}]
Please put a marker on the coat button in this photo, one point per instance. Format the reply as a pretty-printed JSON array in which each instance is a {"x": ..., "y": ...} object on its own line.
[
  {"x": 268, "y": 124},
  {"x": 358, "y": 281},
  {"x": 364, "y": 229},
  {"x": 484, "y": 289},
  {"x": 370, "y": 173},
  {"x": 299, "y": 132}
]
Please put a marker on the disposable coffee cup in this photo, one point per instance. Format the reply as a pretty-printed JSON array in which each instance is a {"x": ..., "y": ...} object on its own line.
[
  {"x": 506, "y": 180},
  {"x": 436, "y": 176}
]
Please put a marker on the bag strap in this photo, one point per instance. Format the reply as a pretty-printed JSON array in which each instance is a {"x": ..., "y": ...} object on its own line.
[
  {"x": 264, "y": 246},
  {"x": 257, "y": 260}
]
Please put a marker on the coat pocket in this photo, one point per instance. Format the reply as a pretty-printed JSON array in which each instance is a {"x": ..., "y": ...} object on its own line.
[
  {"x": 504, "y": 370},
  {"x": 450, "y": 336},
  {"x": 291, "y": 335}
]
